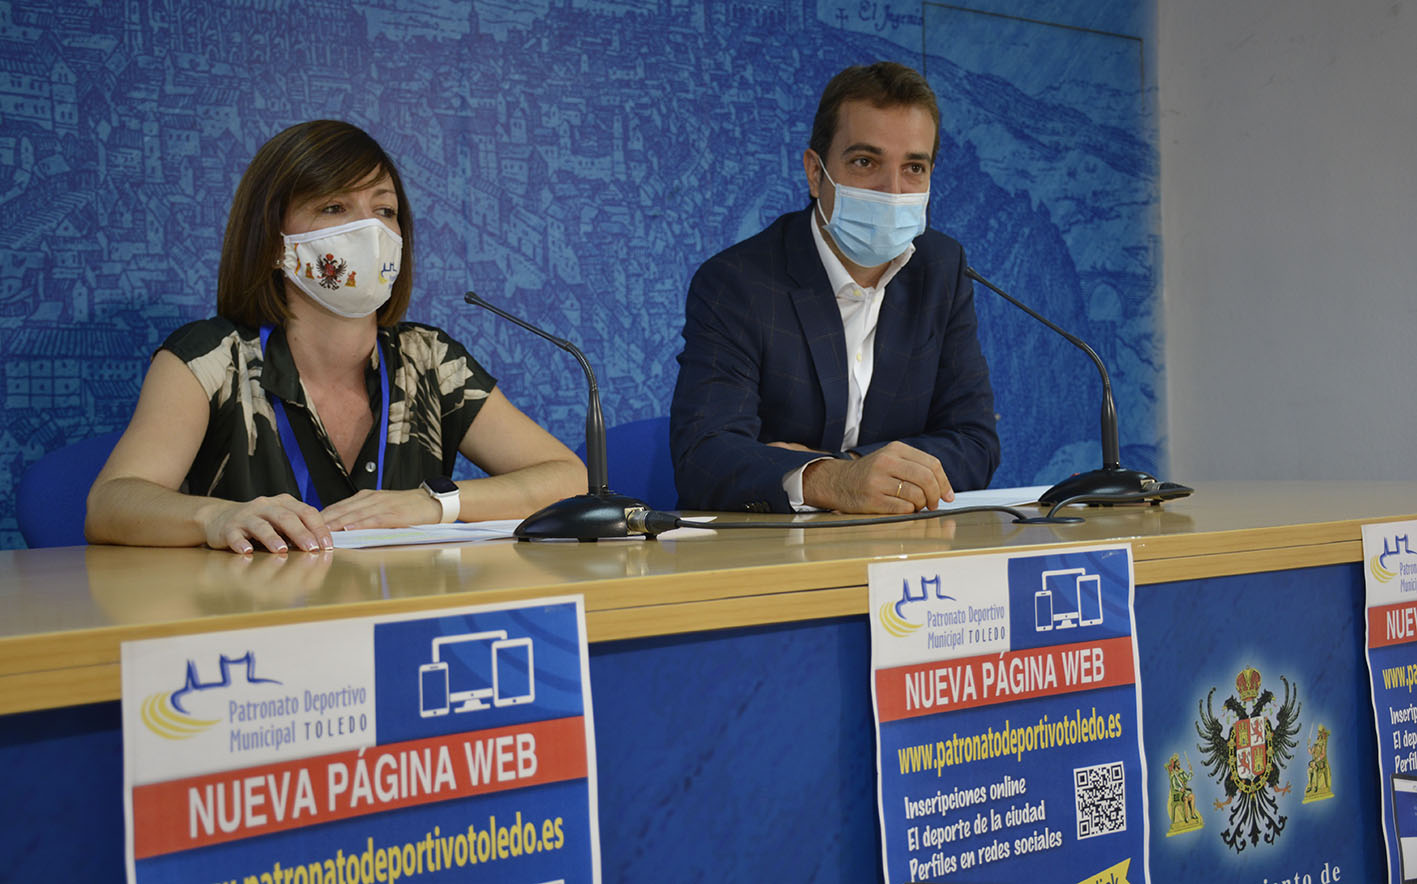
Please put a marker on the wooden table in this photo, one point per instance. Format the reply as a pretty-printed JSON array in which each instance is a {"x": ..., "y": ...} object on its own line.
[{"x": 708, "y": 614}]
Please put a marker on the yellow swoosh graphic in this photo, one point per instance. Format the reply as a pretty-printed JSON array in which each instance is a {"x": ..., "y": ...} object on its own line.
[
  {"x": 163, "y": 719},
  {"x": 894, "y": 624},
  {"x": 1382, "y": 574}
]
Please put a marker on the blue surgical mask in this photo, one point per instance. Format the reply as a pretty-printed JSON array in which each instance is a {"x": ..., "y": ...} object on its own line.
[{"x": 871, "y": 227}]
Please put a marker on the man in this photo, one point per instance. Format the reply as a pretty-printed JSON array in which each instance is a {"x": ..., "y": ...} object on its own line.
[{"x": 832, "y": 361}]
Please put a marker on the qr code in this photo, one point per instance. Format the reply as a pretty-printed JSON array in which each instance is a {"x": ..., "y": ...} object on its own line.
[{"x": 1100, "y": 792}]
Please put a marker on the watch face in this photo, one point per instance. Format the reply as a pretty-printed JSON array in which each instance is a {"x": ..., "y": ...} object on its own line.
[{"x": 441, "y": 485}]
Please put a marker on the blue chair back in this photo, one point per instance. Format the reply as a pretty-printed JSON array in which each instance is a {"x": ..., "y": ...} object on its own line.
[
  {"x": 52, "y": 497},
  {"x": 637, "y": 460}
]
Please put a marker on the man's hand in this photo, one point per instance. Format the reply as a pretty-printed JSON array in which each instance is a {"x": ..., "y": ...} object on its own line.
[{"x": 893, "y": 479}]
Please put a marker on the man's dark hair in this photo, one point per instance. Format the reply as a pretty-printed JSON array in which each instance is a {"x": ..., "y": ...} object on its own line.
[{"x": 883, "y": 84}]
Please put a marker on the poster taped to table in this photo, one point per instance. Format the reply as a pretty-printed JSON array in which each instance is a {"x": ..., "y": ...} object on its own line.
[
  {"x": 1007, "y": 701},
  {"x": 1390, "y": 584},
  {"x": 419, "y": 747}
]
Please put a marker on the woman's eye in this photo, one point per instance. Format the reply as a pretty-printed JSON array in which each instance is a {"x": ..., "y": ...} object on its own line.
[{"x": 332, "y": 209}]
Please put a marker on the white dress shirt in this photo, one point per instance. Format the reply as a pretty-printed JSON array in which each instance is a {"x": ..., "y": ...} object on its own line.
[{"x": 860, "y": 309}]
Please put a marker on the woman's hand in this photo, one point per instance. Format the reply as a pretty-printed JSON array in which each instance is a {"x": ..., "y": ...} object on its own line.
[
  {"x": 270, "y": 521},
  {"x": 383, "y": 509}
]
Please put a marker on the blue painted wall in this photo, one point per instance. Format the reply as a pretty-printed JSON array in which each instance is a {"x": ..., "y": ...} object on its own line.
[{"x": 575, "y": 160}]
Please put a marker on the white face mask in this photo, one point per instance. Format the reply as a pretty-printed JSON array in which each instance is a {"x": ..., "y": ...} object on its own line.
[{"x": 349, "y": 270}]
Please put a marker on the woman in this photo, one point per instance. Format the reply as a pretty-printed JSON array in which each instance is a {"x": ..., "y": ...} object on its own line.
[{"x": 275, "y": 422}]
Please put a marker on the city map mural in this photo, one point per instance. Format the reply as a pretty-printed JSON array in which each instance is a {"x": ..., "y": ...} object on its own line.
[{"x": 573, "y": 161}]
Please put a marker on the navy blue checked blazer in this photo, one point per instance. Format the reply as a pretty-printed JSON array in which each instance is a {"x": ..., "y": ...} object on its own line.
[{"x": 765, "y": 361}]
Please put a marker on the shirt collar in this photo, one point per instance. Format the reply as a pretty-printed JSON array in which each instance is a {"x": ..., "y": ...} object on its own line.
[
  {"x": 841, "y": 282},
  {"x": 278, "y": 373}
]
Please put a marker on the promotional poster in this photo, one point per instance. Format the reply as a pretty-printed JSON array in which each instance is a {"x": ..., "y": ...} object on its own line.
[
  {"x": 413, "y": 747},
  {"x": 1007, "y": 702},
  {"x": 1390, "y": 577}
]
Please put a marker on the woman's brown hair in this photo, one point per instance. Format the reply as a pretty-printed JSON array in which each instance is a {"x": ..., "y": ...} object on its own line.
[{"x": 308, "y": 160}]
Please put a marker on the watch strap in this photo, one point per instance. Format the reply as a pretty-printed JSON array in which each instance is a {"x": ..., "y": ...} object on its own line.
[{"x": 445, "y": 491}]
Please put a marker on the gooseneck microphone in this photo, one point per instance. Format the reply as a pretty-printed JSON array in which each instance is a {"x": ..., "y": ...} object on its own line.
[
  {"x": 1112, "y": 483},
  {"x": 599, "y": 512}
]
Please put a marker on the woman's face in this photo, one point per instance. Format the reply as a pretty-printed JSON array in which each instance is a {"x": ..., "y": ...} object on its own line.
[{"x": 374, "y": 197}]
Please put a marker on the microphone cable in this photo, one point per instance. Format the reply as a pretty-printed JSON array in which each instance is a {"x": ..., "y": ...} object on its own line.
[{"x": 654, "y": 522}]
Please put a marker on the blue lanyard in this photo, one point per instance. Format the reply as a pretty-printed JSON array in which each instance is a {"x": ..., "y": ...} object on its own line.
[{"x": 296, "y": 457}]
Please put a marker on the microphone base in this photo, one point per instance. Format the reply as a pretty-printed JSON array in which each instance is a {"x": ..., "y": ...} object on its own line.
[
  {"x": 585, "y": 517},
  {"x": 1111, "y": 485}
]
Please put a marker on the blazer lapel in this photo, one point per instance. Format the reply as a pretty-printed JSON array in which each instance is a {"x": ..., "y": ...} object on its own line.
[{"x": 816, "y": 308}]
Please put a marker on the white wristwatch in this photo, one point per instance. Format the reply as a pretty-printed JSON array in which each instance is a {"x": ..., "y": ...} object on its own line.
[{"x": 445, "y": 491}]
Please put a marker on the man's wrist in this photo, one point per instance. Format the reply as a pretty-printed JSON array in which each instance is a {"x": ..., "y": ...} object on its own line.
[
  {"x": 793, "y": 487},
  {"x": 819, "y": 480}
]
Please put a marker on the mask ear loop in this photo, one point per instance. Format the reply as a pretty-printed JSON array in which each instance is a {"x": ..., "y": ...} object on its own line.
[
  {"x": 821, "y": 164},
  {"x": 284, "y": 253}
]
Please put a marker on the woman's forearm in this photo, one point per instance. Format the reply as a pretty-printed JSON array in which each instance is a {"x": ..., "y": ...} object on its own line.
[
  {"x": 137, "y": 512},
  {"x": 520, "y": 493}
]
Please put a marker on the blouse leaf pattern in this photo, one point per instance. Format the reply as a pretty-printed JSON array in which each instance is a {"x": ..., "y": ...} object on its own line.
[{"x": 435, "y": 392}]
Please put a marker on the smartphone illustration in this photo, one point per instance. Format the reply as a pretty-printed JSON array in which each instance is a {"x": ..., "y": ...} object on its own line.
[
  {"x": 1042, "y": 611},
  {"x": 433, "y": 689}
]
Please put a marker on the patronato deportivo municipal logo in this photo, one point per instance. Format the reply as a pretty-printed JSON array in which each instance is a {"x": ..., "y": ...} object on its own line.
[
  {"x": 169, "y": 716},
  {"x": 1396, "y": 559},
  {"x": 893, "y": 617}
]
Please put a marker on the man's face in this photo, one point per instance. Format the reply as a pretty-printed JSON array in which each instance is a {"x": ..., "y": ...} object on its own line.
[{"x": 877, "y": 148}]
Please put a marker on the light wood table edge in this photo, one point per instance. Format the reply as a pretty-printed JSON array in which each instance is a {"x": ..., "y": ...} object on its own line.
[
  {"x": 84, "y": 668},
  {"x": 98, "y": 646},
  {"x": 60, "y": 688},
  {"x": 75, "y": 685}
]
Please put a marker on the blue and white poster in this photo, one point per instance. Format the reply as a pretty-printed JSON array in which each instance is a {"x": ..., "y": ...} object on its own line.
[
  {"x": 1007, "y": 700},
  {"x": 415, "y": 747},
  {"x": 1390, "y": 579}
]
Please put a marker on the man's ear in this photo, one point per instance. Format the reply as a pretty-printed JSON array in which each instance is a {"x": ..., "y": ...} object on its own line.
[{"x": 813, "y": 169}]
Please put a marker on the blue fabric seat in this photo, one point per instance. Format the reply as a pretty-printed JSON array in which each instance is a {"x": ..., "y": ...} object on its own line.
[
  {"x": 638, "y": 462},
  {"x": 52, "y": 497}
]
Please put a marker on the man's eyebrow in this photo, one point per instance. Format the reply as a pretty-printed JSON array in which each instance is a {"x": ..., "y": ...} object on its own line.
[{"x": 864, "y": 147}]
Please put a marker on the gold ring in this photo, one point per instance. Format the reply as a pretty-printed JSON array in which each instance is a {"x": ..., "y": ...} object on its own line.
[{"x": 898, "y": 487}]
